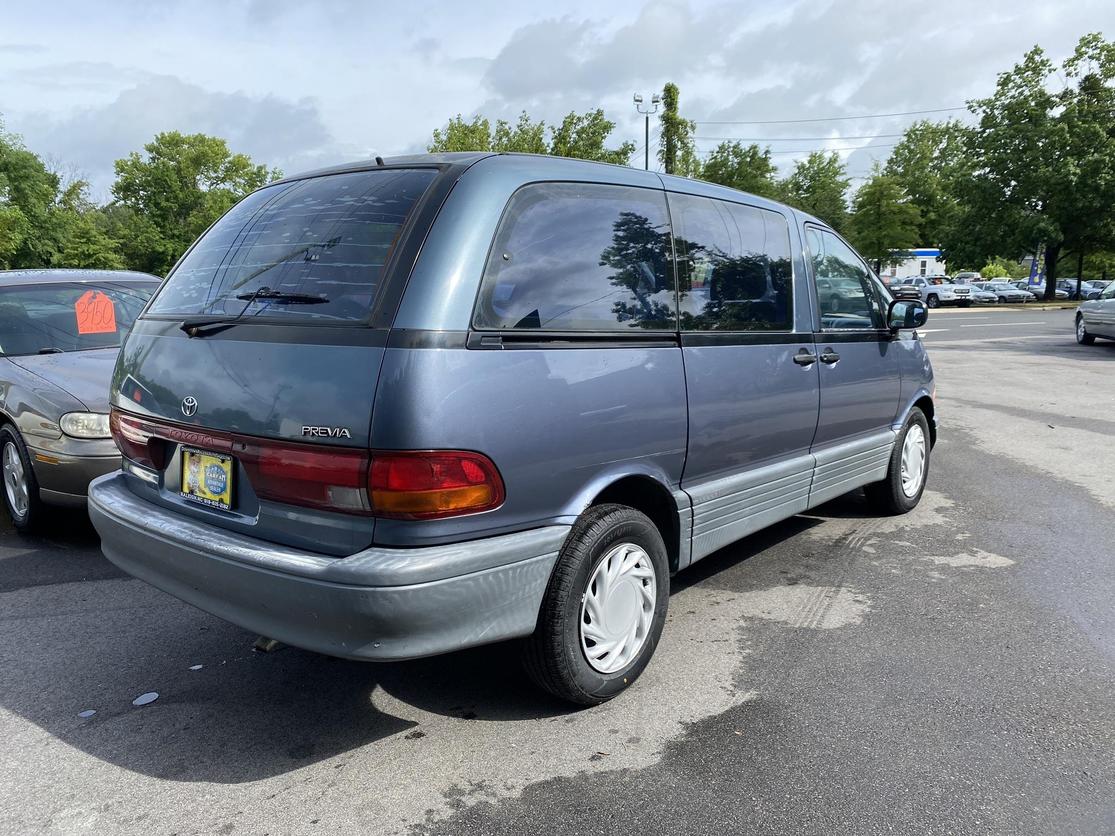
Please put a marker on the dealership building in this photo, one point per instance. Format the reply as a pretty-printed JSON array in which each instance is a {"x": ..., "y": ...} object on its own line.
[{"x": 924, "y": 261}]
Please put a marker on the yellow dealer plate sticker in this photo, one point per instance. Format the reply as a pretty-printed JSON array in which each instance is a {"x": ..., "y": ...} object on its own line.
[{"x": 207, "y": 478}]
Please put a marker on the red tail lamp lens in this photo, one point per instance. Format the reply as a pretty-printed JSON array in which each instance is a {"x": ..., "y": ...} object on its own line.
[
  {"x": 132, "y": 437},
  {"x": 423, "y": 485},
  {"x": 330, "y": 478}
]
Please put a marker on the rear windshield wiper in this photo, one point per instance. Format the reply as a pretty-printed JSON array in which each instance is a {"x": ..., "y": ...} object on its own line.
[{"x": 193, "y": 326}]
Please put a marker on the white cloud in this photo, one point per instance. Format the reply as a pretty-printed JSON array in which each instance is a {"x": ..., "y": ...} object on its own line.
[{"x": 299, "y": 84}]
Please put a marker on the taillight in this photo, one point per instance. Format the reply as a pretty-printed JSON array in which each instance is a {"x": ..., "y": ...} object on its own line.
[
  {"x": 406, "y": 485},
  {"x": 429, "y": 484},
  {"x": 132, "y": 438},
  {"x": 330, "y": 478}
]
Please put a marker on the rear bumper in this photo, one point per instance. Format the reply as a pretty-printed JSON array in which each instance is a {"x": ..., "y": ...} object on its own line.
[{"x": 379, "y": 604}]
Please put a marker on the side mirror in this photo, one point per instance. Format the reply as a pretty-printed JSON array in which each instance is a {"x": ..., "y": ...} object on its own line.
[{"x": 906, "y": 313}]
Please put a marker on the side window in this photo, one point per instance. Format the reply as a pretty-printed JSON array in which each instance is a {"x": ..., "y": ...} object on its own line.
[
  {"x": 845, "y": 288},
  {"x": 1108, "y": 292},
  {"x": 733, "y": 266},
  {"x": 580, "y": 257}
]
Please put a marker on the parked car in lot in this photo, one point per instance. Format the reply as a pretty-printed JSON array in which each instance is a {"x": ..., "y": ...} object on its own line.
[
  {"x": 59, "y": 334},
  {"x": 1096, "y": 289},
  {"x": 1037, "y": 292},
  {"x": 980, "y": 296},
  {"x": 1096, "y": 317},
  {"x": 936, "y": 291},
  {"x": 1069, "y": 287},
  {"x": 1005, "y": 291},
  {"x": 966, "y": 277},
  {"x": 456, "y": 399}
]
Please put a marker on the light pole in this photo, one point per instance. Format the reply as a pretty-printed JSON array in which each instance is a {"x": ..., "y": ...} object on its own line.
[{"x": 654, "y": 100}]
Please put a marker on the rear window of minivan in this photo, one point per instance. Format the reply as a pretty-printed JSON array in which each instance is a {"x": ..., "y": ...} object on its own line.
[{"x": 311, "y": 249}]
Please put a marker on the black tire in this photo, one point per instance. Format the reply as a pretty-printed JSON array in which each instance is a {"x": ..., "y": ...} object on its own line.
[
  {"x": 1082, "y": 335},
  {"x": 931, "y": 301},
  {"x": 553, "y": 656},
  {"x": 887, "y": 495},
  {"x": 27, "y": 519}
]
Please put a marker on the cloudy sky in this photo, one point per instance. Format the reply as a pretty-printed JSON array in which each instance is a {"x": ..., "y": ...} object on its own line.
[{"x": 301, "y": 83}]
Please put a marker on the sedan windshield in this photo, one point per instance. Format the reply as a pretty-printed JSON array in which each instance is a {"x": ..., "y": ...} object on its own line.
[{"x": 54, "y": 317}]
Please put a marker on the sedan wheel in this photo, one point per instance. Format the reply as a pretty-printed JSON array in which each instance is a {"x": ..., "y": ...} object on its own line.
[
  {"x": 1082, "y": 335},
  {"x": 15, "y": 481},
  {"x": 21, "y": 488}
]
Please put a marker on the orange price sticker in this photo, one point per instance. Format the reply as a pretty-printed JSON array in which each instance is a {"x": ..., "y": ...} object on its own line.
[{"x": 95, "y": 313}]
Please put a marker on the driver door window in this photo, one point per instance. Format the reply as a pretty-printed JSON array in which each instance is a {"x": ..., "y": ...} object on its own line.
[{"x": 845, "y": 290}]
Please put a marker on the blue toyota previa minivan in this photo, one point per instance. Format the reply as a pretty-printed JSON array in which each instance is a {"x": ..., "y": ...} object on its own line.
[{"x": 400, "y": 408}]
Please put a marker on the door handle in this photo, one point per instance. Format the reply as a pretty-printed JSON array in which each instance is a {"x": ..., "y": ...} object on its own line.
[
  {"x": 829, "y": 356},
  {"x": 805, "y": 357}
]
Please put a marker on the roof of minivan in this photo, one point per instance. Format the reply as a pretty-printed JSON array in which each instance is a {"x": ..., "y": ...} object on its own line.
[
  {"x": 464, "y": 159},
  {"x": 41, "y": 275}
]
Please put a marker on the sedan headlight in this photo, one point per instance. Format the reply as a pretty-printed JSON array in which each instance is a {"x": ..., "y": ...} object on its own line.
[{"x": 85, "y": 425}]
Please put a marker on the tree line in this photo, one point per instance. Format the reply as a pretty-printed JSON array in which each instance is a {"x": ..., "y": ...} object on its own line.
[{"x": 1033, "y": 171}]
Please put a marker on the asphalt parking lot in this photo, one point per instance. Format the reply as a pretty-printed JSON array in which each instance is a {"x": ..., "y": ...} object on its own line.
[{"x": 948, "y": 671}]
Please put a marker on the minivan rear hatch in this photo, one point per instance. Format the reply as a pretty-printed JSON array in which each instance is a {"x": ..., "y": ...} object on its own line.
[{"x": 243, "y": 395}]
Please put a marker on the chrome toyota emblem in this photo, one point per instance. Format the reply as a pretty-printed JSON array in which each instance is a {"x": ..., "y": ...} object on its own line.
[{"x": 189, "y": 405}]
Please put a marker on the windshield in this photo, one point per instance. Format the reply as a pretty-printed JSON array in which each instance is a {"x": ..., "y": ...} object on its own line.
[
  {"x": 54, "y": 317},
  {"x": 308, "y": 250}
]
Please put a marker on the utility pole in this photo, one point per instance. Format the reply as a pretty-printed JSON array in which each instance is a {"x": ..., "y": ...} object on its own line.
[{"x": 653, "y": 108}]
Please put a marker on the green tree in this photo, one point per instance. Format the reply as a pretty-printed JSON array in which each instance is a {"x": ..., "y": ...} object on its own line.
[
  {"x": 1043, "y": 158},
  {"x": 580, "y": 135},
  {"x": 583, "y": 135},
  {"x": 819, "y": 185},
  {"x": 883, "y": 225},
  {"x": 676, "y": 150},
  {"x": 177, "y": 188},
  {"x": 928, "y": 163},
  {"x": 30, "y": 229},
  {"x": 744, "y": 167},
  {"x": 999, "y": 268},
  {"x": 460, "y": 135}
]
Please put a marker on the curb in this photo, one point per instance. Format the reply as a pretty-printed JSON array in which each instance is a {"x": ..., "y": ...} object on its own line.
[{"x": 1024, "y": 306}]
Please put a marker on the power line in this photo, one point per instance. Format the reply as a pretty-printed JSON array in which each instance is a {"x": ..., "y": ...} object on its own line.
[
  {"x": 829, "y": 118},
  {"x": 796, "y": 138},
  {"x": 824, "y": 150}
]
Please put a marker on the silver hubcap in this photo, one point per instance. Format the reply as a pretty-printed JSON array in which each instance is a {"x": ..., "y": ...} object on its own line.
[
  {"x": 913, "y": 460},
  {"x": 618, "y": 608},
  {"x": 1080, "y": 328},
  {"x": 15, "y": 482}
]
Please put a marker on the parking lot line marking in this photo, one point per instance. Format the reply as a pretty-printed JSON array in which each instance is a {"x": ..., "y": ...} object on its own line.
[{"x": 1002, "y": 324}]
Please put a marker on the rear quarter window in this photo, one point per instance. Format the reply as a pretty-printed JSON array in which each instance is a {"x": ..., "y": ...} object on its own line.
[
  {"x": 580, "y": 257},
  {"x": 317, "y": 246},
  {"x": 734, "y": 268}
]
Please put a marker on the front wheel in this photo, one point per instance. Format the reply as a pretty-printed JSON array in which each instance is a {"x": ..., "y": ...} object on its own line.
[
  {"x": 1082, "y": 335},
  {"x": 604, "y": 609},
  {"x": 931, "y": 301},
  {"x": 21, "y": 488},
  {"x": 904, "y": 484}
]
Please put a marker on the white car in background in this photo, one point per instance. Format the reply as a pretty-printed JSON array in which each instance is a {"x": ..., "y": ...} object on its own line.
[{"x": 938, "y": 290}]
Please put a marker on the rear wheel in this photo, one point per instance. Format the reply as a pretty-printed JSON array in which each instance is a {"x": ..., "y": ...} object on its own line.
[
  {"x": 904, "y": 484},
  {"x": 1082, "y": 335},
  {"x": 21, "y": 489},
  {"x": 604, "y": 609},
  {"x": 931, "y": 301}
]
